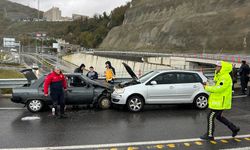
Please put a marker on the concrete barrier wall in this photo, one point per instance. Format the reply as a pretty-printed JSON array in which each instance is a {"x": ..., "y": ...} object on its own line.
[
  {"x": 98, "y": 63},
  {"x": 182, "y": 62}
]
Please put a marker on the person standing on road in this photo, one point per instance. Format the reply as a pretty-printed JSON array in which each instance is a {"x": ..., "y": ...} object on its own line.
[
  {"x": 80, "y": 69},
  {"x": 234, "y": 75},
  {"x": 244, "y": 72},
  {"x": 110, "y": 72},
  {"x": 92, "y": 74},
  {"x": 220, "y": 99},
  {"x": 57, "y": 83}
]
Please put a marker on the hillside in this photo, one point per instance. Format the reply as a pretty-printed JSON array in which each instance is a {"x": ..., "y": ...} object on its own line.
[
  {"x": 14, "y": 11},
  {"x": 183, "y": 26},
  {"x": 10, "y": 13}
]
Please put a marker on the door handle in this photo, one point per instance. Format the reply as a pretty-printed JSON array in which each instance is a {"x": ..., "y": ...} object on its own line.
[
  {"x": 171, "y": 87},
  {"x": 195, "y": 86},
  {"x": 69, "y": 90}
]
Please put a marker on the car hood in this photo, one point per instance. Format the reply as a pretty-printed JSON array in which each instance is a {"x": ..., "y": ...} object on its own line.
[
  {"x": 29, "y": 75},
  {"x": 100, "y": 83},
  {"x": 130, "y": 71}
]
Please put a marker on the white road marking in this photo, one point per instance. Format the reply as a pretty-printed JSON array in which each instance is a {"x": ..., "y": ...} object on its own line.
[
  {"x": 123, "y": 144},
  {"x": 242, "y": 148},
  {"x": 30, "y": 118},
  {"x": 11, "y": 108}
]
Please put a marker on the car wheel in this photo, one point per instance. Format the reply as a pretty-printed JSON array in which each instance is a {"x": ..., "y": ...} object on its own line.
[
  {"x": 201, "y": 101},
  {"x": 135, "y": 103},
  {"x": 104, "y": 102},
  {"x": 35, "y": 105}
]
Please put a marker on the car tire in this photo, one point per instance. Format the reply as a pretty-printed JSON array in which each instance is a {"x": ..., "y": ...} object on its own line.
[
  {"x": 104, "y": 102},
  {"x": 201, "y": 101},
  {"x": 135, "y": 103},
  {"x": 35, "y": 105}
]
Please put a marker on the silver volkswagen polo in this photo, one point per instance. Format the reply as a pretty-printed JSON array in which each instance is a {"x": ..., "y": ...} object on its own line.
[{"x": 161, "y": 87}]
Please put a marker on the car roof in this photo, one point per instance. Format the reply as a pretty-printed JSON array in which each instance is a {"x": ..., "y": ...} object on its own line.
[
  {"x": 67, "y": 74},
  {"x": 182, "y": 71}
]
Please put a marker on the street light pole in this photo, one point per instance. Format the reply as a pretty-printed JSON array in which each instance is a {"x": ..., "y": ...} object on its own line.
[
  {"x": 19, "y": 52},
  {"x": 38, "y": 6}
]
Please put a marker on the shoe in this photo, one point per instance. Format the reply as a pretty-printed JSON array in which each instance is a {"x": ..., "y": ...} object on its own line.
[
  {"x": 206, "y": 137},
  {"x": 235, "y": 132}
]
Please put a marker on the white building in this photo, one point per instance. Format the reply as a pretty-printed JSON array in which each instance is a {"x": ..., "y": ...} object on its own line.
[{"x": 54, "y": 14}]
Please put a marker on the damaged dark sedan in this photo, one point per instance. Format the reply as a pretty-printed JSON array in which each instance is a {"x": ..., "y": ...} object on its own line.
[{"x": 85, "y": 91}]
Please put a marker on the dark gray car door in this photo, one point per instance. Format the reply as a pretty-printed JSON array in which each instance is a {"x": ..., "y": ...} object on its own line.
[
  {"x": 79, "y": 91},
  {"x": 40, "y": 85}
]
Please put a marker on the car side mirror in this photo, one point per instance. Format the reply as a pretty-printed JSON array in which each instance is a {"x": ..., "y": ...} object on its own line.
[{"x": 153, "y": 83}]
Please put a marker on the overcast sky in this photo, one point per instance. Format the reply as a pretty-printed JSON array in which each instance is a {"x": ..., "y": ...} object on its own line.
[{"x": 69, "y": 7}]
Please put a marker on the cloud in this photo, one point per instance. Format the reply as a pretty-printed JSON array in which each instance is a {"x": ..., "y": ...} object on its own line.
[{"x": 69, "y": 7}]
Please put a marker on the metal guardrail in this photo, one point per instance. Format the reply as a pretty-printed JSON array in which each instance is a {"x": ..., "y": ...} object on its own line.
[{"x": 11, "y": 83}]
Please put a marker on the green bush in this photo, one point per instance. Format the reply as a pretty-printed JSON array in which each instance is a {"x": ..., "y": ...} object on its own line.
[{"x": 5, "y": 91}]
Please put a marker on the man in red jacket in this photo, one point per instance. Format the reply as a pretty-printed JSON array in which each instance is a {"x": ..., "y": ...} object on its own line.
[{"x": 58, "y": 84}]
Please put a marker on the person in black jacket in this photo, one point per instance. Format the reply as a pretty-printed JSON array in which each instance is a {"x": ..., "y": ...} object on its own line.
[
  {"x": 80, "y": 69},
  {"x": 244, "y": 72},
  {"x": 92, "y": 74},
  {"x": 234, "y": 75},
  {"x": 76, "y": 80}
]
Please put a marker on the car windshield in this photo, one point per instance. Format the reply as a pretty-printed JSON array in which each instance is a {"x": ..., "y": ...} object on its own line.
[{"x": 147, "y": 76}]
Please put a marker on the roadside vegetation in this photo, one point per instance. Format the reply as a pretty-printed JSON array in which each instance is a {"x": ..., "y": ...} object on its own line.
[{"x": 8, "y": 74}]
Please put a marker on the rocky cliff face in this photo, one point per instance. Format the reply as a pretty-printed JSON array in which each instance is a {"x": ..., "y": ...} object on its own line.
[{"x": 183, "y": 25}]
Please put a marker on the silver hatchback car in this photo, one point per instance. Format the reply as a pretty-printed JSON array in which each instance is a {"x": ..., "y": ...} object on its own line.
[{"x": 161, "y": 87}]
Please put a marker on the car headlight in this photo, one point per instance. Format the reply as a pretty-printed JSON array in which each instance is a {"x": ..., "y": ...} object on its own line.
[{"x": 120, "y": 90}]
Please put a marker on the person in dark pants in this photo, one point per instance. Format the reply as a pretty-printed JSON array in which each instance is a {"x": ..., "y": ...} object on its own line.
[
  {"x": 77, "y": 81},
  {"x": 220, "y": 99},
  {"x": 57, "y": 83},
  {"x": 234, "y": 75},
  {"x": 244, "y": 72}
]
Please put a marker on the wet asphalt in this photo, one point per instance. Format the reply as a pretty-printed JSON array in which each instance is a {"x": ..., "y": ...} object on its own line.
[{"x": 88, "y": 126}]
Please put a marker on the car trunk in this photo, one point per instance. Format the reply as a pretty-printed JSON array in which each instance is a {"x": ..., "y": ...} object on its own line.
[{"x": 29, "y": 75}]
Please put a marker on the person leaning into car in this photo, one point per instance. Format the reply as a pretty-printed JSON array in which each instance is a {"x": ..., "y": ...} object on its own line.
[
  {"x": 58, "y": 84},
  {"x": 220, "y": 99}
]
